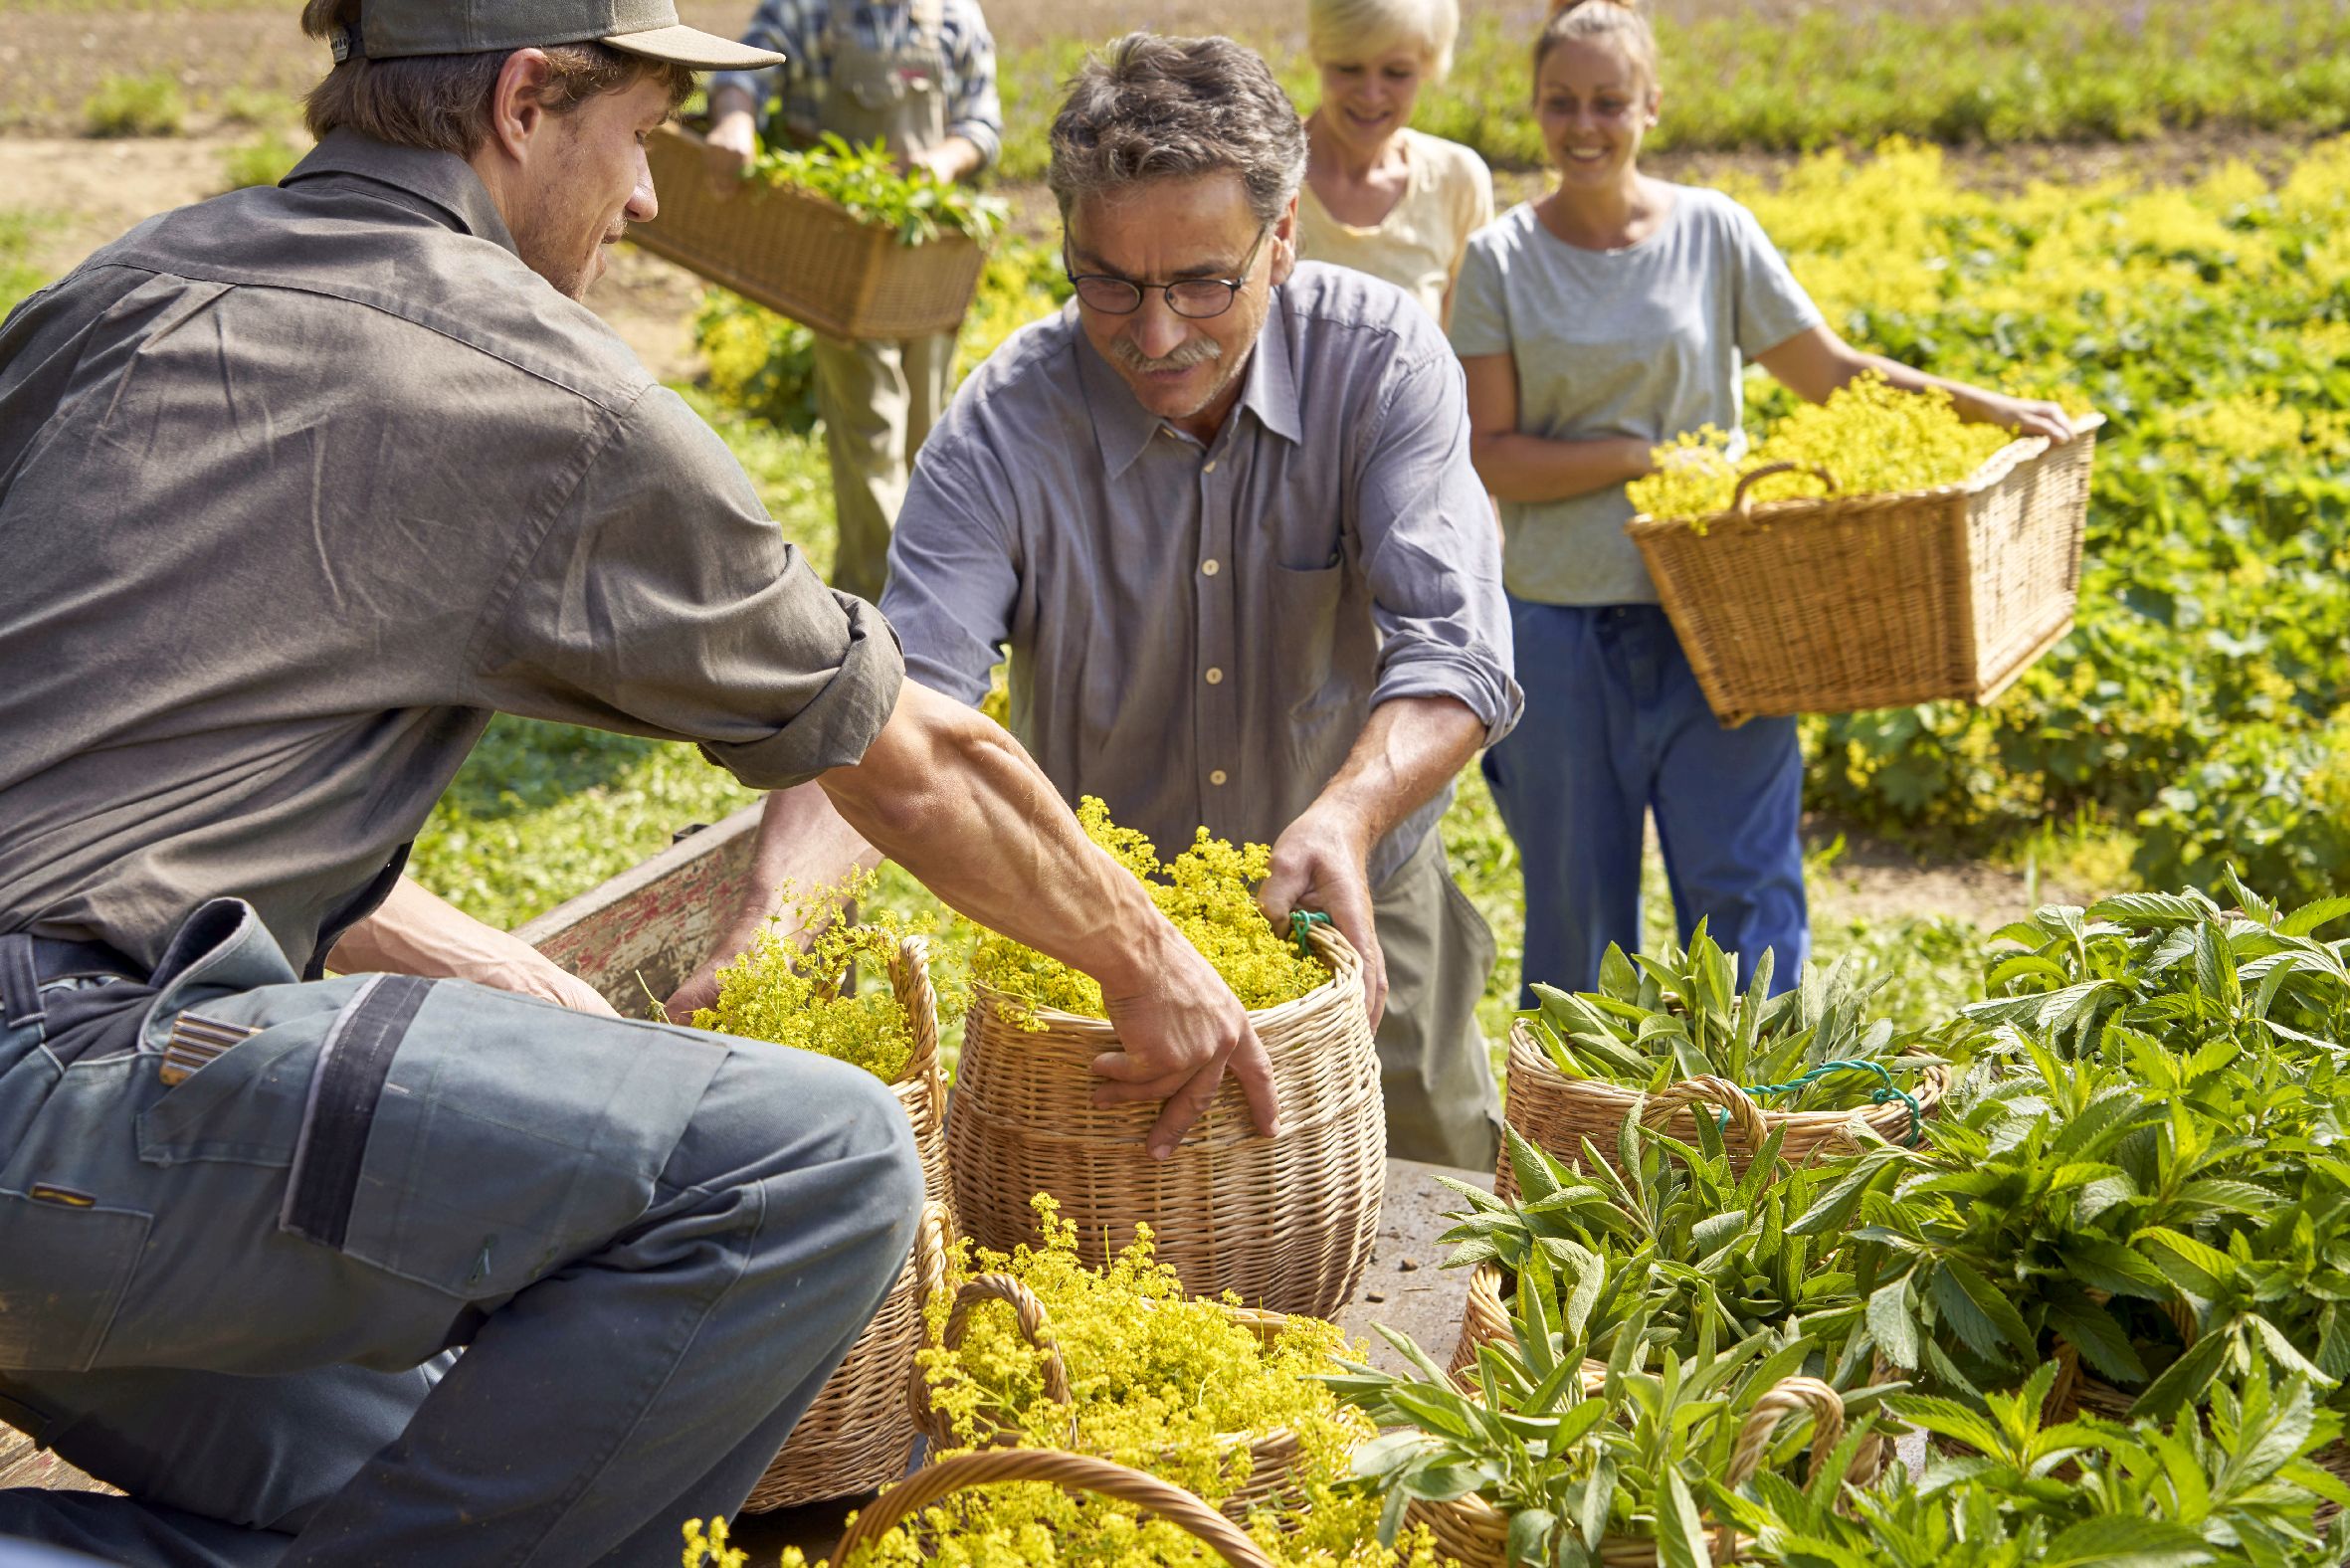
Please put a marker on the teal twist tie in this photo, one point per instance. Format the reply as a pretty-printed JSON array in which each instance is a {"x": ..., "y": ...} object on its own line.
[
  {"x": 1886, "y": 1092},
  {"x": 1303, "y": 921}
]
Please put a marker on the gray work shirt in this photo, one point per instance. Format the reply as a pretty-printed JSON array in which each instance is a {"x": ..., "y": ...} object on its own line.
[
  {"x": 1198, "y": 634},
  {"x": 297, "y": 485},
  {"x": 1646, "y": 341}
]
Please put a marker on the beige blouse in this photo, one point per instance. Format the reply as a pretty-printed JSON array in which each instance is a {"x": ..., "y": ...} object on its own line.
[{"x": 1418, "y": 246}]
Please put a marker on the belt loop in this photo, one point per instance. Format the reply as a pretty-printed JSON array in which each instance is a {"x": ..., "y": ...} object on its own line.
[{"x": 20, "y": 981}]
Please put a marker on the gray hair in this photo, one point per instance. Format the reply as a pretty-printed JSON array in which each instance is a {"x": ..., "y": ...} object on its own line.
[{"x": 1151, "y": 107}]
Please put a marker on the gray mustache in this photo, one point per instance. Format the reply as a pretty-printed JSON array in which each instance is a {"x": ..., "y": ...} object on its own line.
[{"x": 1199, "y": 351}]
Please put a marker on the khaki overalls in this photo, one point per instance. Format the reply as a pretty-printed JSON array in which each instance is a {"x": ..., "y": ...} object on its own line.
[{"x": 879, "y": 399}]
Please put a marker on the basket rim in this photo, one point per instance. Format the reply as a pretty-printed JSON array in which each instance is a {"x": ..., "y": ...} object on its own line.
[
  {"x": 759, "y": 190},
  {"x": 1346, "y": 970},
  {"x": 1995, "y": 467},
  {"x": 1933, "y": 1083}
]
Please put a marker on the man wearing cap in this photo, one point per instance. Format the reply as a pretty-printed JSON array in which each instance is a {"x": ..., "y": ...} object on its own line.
[
  {"x": 917, "y": 76},
  {"x": 300, "y": 485},
  {"x": 1222, "y": 514}
]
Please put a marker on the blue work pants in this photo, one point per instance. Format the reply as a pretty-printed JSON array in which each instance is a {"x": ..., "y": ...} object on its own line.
[{"x": 1616, "y": 727}]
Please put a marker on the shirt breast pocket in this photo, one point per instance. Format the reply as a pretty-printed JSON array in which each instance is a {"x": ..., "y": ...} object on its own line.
[{"x": 1304, "y": 606}]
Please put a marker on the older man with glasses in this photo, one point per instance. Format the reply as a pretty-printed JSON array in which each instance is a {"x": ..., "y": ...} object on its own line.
[{"x": 1221, "y": 513}]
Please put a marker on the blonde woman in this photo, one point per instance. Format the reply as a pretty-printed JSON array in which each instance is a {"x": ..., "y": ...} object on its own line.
[
  {"x": 1380, "y": 197},
  {"x": 1595, "y": 324}
]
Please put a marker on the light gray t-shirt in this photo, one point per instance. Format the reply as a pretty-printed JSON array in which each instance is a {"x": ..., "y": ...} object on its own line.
[{"x": 1646, "y": 342}]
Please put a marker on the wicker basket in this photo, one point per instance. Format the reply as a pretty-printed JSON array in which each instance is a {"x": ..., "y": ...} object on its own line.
[
  {"x": 1832, "y": 605},
  {"x": 1072, "y": 1471},
  {"x": 1486, "y": 1319},
  {"x": 1285, "y": 1222},
  {"x": 857, "y": 1433},
  {"x": 801, "y": 254},
  {"x": 1475, "y": 1535},
  {"x": 1272, "y": 1455},
  {"x": 1556, "y": 1113}
]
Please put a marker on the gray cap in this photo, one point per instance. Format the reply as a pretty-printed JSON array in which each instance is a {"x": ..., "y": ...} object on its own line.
[{"x": 392, "y": 29}]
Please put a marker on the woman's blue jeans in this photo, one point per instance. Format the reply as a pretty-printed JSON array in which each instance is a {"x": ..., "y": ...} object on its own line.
[{"x": 1614, "y": 726}]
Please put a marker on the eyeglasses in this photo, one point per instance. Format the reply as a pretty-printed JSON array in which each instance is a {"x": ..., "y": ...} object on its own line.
[{"x": 1196, "y": 298}]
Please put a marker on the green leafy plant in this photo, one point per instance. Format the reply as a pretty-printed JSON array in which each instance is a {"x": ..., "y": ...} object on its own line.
[
  {"x": 265, "y": 160},
  {"x": 868, "y": 183},
  {"x": 141, "y": 105},
  {"x": 1679, "y": 1014},
  {"x": 1700, "y": 1245},
  {"x": 2019, "y": 1494},
  {"x": 1570, "y": 1469}
]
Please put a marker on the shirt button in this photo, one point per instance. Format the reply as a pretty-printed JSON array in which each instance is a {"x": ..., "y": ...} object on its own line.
[
  {"x": 1214, "y": 675},
  {"x": 1211, "y": 467},
  {"x": 1210, "y": 567},
  {"x": 1217, "y": 778}
]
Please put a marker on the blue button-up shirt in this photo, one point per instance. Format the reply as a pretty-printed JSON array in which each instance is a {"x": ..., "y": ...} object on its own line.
[{"x": 1198, "y": 634}]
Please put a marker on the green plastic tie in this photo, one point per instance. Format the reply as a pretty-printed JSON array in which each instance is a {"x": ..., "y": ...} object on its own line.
[
  {"x": 1886, "y": 1092},
  {"x": 1303, "y": 921}
]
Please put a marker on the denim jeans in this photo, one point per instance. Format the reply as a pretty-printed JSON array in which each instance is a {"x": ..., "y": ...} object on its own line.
[
  {"x": 234, "y": 1298},
  {"x": 1616, "y": 727}
]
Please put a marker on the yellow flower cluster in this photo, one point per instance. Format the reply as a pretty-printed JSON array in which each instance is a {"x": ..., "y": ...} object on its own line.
[
  {"x": 1869, "y": 437},
  {"x": 1206, "y": 891},
  {"x": 1160, "y": 1380},
  {"x": 834, "y": 996}
]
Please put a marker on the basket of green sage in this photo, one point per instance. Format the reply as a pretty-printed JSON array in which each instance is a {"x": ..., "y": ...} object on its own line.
[
  {"x": 1669, "y": 1039},
  {"x": 1537, "y": 1465},
  {"x": 835, "y": 236}
]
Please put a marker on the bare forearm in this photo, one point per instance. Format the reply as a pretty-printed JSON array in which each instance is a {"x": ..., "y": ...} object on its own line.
[
  {"x": 803, "y": 843},
  {"x": 416, "y": 933},
  {"x": 1522, "y": 467},
  {"x": 1410, "y": 748},
  {"x": 732, "y": 101},
  {"x": 952, "y": 798}
]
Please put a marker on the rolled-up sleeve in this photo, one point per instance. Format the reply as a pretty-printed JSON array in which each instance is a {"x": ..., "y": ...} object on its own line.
[
  {"x": 1431, "y": 553},
  {"x": 954, "y": 578},
  {"x": 661, "y": 600},
  {"x": 975, "y": 112},
  {"x": 778, "y": 25}
]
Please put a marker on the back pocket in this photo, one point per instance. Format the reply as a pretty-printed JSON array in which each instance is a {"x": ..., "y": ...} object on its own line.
[{"x": 64, "y": 1269}]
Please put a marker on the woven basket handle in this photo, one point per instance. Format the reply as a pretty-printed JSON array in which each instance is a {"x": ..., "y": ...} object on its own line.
[
  {"x": 933, "y": 1249},
  {"x": 910, "y": 978},
  {"x": 1742, "y": 504},
  {"x": 1071, "y": 1471},
  {"x": 1745, "y": 1125},
  {"x": 1029, "y": 1314},
  {"x": 1787, "y": 1397}
]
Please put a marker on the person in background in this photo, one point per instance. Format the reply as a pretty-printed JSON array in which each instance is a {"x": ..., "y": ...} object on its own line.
[
  {"x": 1220, "y": 512},
  {"x": 1380, "y": 197},
  {"x": 920, "y": 79},
  {"x": 1594, "y": 324}
]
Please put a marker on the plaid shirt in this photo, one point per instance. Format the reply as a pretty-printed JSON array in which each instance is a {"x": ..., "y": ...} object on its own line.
[{"x": 797, "y": 28}]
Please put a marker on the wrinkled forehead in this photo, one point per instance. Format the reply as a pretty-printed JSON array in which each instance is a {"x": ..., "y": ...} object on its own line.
[{"x": 1197, "y": 226}]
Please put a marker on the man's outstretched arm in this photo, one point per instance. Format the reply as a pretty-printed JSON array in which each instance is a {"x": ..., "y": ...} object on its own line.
[{"x": 951, "y": 797}]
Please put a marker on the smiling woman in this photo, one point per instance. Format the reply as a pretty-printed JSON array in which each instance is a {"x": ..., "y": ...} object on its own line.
[{"x": 1380, "y": 197}]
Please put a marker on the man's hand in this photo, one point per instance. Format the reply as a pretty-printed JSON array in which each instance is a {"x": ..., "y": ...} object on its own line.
[
  {"x": 1181, "y": 1029},
  {"x": 1322, "y": 863},
  {"x": 416, "y": 933},
  {"x": 955, "y": 158},
  {"x": 952, "y": 798},
  {"x": 732, "y": 142}
]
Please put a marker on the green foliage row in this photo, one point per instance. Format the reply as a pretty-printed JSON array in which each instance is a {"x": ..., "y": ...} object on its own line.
[
  {"x": 2114, "y": 1282},
  {"x": 866, "y": 182},
  {"x": 2022, "y": 72},
  {"x": 2201, "y": 700},
  {"x": 135, "y": 105}
]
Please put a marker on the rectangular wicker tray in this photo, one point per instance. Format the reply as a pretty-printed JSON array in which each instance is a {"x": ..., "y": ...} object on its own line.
[
  {"x": 801, "y": 254},
  {"x": 1850, "y": 602}
]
